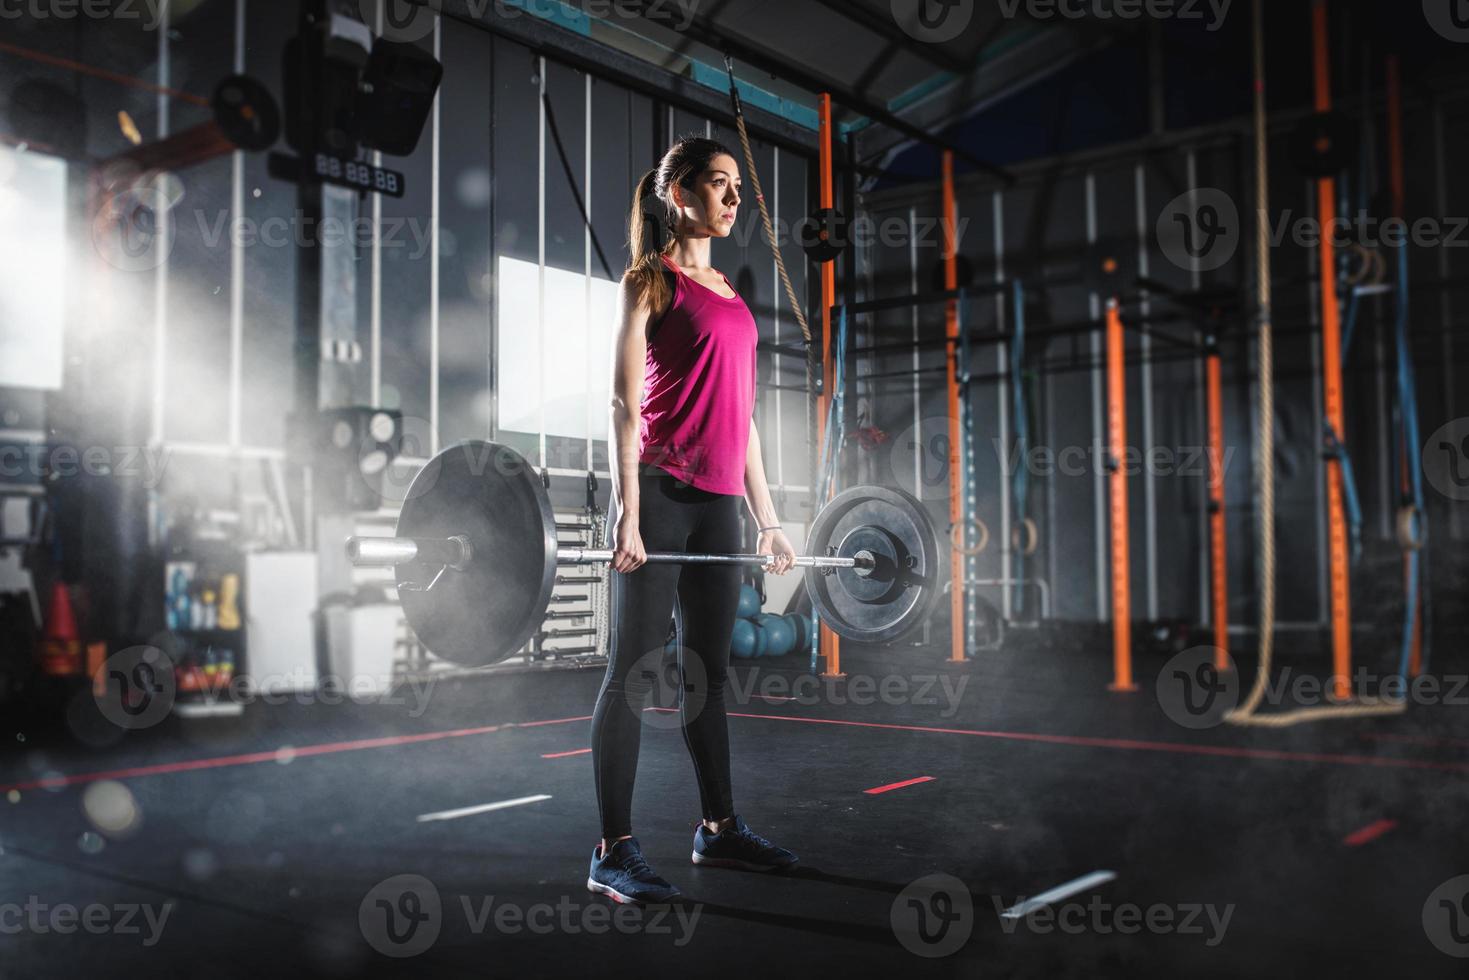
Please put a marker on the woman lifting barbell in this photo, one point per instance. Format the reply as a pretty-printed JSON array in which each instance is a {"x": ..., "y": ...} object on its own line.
[{"x": 684, "y": 454}]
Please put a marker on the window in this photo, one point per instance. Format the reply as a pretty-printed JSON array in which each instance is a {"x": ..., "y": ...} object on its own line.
[
  {"x": 33, "y": 269},
  {"x": 554, "y": 367}
]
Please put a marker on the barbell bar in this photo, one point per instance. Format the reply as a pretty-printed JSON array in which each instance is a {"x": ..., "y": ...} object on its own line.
[
  {"x": 455, "y": 552},
  {"x": 476, "y": 558}
]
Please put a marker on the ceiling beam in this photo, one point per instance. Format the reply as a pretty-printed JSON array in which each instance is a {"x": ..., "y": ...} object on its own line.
[
  {"x": 699, "y": 29},
  {"x": 1034, "y": 59},
  {"x": 596, "y": 58},
  {"x": 862, "y": 15}
]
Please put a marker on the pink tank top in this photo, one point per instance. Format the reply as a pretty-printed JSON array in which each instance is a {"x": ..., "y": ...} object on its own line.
[{"x": 699, "y": 388}]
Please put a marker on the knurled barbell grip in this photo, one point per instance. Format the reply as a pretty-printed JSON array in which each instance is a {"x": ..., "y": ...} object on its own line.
[{"x": 602, "y": 556}]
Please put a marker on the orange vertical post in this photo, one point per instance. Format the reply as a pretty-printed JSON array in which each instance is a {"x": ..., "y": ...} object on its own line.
[
  {"x": 829, "y": 643},
  {"x": 956, "y": 428},
  {"x": 1218, "y": 564},
  {"x": 1341, "y": 586},
  {"x": 1400, "y": 210},
  {"x": 1117, "y": 501}
]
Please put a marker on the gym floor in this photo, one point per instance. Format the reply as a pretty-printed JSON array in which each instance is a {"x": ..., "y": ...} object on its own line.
[
  {"x": 1300, "y": 850},
  {"x": 1082, "y": 276}
]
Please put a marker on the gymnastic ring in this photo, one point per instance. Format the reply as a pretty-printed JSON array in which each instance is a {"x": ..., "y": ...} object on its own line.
[
  {"x": 1032, "y": 537},
  {"x": 1362, "y": 272},
  {"x": 1379, "y": 268},
  {"x": 957, "y": 540},
  {"x": 1411, "y": 533}
]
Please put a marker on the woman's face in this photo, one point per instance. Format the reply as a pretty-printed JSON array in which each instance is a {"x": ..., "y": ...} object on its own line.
[{"x": 711, "y": 206}]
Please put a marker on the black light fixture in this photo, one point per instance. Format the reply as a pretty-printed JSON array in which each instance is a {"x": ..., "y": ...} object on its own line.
[{"x": 346, "y": 91}]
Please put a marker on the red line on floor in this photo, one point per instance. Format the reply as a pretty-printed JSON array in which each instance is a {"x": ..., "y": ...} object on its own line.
[
  {"x": 892, "y": 786},
  {"x": 275, "y": 755},
  {"x": 562, "y": 755},
  {"x": 549, "y": 721},
  {"x": 1415, "y": 739},
  {"x": 1182, "y": 748},
  {"x": 1369, "y": 833}
]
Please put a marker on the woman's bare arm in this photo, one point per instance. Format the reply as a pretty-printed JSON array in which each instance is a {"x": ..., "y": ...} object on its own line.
[
  {"x": 762, "y": 507},
  {"x": 629, "y": 353}
]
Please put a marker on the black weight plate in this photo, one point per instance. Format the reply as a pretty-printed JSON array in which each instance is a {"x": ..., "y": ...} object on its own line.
[
  {"x": 824, "y": 235},
  {"x": 246, "y": 113},
  {"x": 491, "y": 495},
  {"x": 902, "y": 591}
]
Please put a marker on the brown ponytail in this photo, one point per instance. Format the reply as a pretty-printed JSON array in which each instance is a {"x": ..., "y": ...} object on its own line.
[{"x": 652, "y": 226}]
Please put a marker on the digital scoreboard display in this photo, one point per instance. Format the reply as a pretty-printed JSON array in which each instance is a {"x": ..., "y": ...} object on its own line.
[
  {"x": 362, "y": 176},
  {"x": 327, "y": 169}
]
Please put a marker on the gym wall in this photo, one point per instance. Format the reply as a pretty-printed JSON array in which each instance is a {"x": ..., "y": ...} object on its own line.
[
  {"x": 1066, "y": 209},
  {"x": 199, "y": 355}
]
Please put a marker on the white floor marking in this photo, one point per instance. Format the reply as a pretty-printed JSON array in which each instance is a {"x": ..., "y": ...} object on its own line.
[
  {"x": 1058, "y": 893},
  {"x": 470, "y": 811}
]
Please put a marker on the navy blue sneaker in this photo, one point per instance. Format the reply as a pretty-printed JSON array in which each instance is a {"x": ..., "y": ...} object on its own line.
[
  {"x": 737, "y": 846},
  {"x": 624, "y": 876}
]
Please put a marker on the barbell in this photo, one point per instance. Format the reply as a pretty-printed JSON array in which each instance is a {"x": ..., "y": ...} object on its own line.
[{"x": 475, "y": 557}]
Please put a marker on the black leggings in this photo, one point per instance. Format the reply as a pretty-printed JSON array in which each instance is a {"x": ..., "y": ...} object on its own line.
[{"x": 673, "y": 516}]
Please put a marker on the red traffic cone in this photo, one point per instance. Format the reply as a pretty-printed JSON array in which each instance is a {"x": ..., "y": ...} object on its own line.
[{"x": 61, "y": 646}]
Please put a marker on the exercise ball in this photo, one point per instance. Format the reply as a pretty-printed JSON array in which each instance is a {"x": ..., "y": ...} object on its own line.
[
  {"x": 749, "y": 606},
  {"x": 762, "y": 640},
  {"x": 801, "y": 624},
  {"x": 782, "y": 637},
  {"x": 742, "y": 641}
]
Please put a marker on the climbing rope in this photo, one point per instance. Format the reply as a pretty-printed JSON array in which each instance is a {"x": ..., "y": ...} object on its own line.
[
  {"x": 1020, "y": 478},
  {"x": 1246, "y": 714},
  {"x": 780, "y": 265}
]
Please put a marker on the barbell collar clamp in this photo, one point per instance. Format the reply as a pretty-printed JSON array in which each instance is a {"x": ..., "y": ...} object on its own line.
[{"x": 452, "y": 552}]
